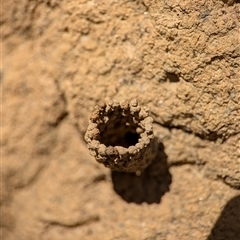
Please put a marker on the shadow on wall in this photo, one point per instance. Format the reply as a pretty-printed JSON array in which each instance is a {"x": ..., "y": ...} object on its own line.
[
  {"x": 228, "y": 224},
  {"x": 149, "y": 187}
]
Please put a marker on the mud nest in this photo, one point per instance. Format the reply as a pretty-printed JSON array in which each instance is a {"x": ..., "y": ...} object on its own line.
[{"x": 120, "y": 136}]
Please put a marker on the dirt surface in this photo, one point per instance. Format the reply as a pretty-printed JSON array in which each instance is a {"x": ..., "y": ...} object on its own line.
[{"x": 179, "y": 58}]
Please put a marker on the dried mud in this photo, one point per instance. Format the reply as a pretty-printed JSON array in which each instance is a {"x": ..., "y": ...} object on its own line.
[
  {"x": 179, "y": 58},
  {"x": 120, "y": 136}
]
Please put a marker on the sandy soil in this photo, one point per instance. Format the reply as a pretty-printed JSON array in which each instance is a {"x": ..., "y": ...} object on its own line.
[{"x": 179, "y": 58}]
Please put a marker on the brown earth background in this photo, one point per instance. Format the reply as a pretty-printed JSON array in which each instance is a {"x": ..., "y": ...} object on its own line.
[{"x": 179, "y": 58}]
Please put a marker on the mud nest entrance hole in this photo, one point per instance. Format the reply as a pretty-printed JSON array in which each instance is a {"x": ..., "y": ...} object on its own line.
[{"x": 119, "y": 130}]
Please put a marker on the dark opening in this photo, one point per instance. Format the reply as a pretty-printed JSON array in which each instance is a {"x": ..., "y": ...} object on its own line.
[
  {"x": 172, "y": 77},
  {"x": 231, "y": 2},
  {"x": 118, "y": 131},
  {"x": 131, "y": 138}
]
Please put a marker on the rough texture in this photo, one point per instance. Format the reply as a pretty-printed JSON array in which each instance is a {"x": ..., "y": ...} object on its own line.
[
  {"x": 120, "y": 136},
  {"x": 179, "y": 58}
]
